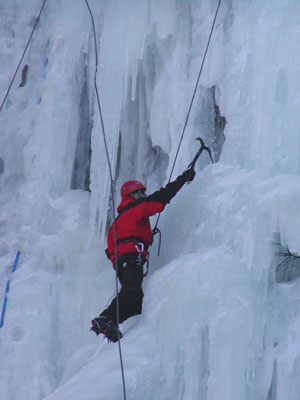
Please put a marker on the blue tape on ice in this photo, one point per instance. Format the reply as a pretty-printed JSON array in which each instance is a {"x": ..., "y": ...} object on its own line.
[{"x": 7, "y": 289}]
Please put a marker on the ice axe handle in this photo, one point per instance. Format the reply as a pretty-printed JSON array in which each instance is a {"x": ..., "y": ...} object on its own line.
[
  {"x": 203, "y": 147},
  {"x": 192, "y": 164}
]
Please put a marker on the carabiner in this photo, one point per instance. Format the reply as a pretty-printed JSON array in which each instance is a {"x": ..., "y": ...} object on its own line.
[{"x": 140, "y": 248}]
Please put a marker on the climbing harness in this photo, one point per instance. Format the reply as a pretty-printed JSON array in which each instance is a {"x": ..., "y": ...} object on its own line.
[
  {"x": 130, "y": 239},
  {"x": 140, "y": 248},
  {"x": 24, "y": 52},
  {"x": 156, "y": 230},
  {"x": 112, "y": 186}
]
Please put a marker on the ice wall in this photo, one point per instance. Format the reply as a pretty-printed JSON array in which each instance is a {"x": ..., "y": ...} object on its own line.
[
  {"x": 40, "y": 126},
  {"x": 215, "y": 324}
]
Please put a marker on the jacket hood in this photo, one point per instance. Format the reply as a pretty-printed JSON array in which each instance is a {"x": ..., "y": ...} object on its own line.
[{"x": 126, "y": 200}]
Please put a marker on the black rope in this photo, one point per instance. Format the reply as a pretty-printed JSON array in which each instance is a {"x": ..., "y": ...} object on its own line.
[
  {"x": 23, "y": 55},
  {"x": 192, "y": 101},
  {"x": 112, "y": 192}
]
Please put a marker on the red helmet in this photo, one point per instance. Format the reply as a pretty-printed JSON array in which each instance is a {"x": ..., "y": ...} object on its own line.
[{"x": 131, "y": 186}]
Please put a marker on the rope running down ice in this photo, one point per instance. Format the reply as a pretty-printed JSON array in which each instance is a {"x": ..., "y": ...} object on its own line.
[
  {"x": 192, "y": 101},
  {"x": 112, "y": 190},
  {"x": 23, "y": 55}
]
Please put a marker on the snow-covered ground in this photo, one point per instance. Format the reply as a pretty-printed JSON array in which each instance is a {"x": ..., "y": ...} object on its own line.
[{"x": 217, "y": 322}]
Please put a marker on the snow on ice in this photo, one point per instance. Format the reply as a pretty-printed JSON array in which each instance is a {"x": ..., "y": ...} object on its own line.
[{"x": 218, "y": 321}]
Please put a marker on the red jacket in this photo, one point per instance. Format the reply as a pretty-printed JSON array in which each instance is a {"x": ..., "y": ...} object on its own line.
[{"x": 133, "y": 220}]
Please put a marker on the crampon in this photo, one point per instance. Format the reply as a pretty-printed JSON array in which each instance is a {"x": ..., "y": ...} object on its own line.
[{"x": 107, "y": 328}]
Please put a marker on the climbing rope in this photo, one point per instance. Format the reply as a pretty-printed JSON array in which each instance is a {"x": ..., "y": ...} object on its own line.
[
  {"x": 112, "y": 191},
  {"x": 23, "y": 55},
  {"x": 155, "y": 229}
]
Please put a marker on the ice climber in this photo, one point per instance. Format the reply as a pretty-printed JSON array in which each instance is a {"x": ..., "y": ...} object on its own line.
[{"x": 133, "y": 238}]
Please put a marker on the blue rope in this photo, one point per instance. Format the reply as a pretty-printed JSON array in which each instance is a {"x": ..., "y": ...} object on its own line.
[{"x": 7, "y": 289}]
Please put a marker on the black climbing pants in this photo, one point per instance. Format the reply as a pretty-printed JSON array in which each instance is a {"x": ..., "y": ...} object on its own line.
[{"x": 130, "y": 275}]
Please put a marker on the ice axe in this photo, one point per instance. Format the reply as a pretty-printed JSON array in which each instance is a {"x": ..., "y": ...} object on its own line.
[{"x": 203, "y": 147}]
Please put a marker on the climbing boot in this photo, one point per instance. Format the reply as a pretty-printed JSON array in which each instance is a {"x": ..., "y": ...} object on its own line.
[{"x": 107, "y": 327}]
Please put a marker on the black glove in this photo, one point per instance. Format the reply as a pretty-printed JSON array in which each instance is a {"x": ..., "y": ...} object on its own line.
[{"x": 188, "y": 175}]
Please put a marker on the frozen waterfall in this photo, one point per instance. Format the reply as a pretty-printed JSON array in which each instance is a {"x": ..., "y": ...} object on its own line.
[{"x": 221, "y": 314}]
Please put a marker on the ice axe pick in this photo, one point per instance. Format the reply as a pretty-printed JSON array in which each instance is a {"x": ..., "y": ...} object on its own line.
[{"x": 202, "y": 148}]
